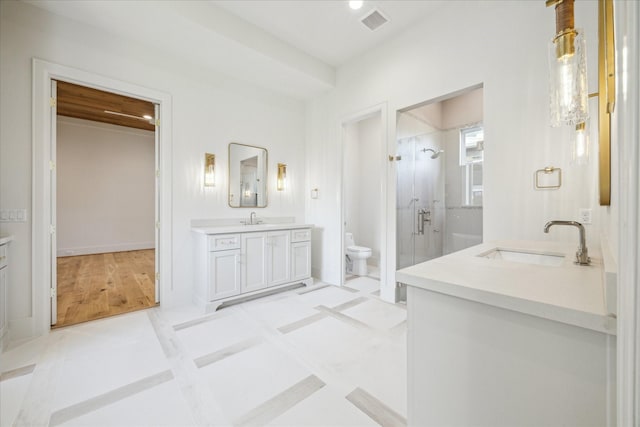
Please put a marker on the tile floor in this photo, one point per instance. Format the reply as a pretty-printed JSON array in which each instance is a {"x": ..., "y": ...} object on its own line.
[{"x": 319, "y": 356}]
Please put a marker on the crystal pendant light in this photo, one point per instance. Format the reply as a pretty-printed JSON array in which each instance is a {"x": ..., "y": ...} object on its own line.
[{"x": 568, "y": 69}]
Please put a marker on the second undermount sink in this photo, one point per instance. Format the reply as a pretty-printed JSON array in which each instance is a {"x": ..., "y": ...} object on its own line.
[{"x": 535, "y": 258}]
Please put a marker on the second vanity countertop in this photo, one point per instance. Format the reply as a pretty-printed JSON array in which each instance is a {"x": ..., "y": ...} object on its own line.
[
  {"x": 565, "y": 293},
  {"x": 242, "y": 228}
]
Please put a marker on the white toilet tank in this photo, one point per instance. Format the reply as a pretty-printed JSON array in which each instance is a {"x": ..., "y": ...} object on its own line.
[{"x": 348, "y": 240}]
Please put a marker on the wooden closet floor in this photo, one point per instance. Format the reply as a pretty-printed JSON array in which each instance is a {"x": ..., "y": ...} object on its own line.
[{"x": 101, "y": 285}]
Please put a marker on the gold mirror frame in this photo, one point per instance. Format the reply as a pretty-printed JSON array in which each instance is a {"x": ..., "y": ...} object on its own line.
[{"x": 606, "y": 96}]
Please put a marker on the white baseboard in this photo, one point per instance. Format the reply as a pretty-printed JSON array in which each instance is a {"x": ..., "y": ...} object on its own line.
[{"x": 120, "y": 247}]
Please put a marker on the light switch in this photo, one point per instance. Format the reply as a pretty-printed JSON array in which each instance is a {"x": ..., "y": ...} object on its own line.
[{"x": 13, "y": 215}]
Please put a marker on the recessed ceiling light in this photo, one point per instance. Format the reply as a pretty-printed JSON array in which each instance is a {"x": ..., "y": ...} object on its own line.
[
  {"x": 148, "y": 117},
  {"x": 355, "y": 4}
]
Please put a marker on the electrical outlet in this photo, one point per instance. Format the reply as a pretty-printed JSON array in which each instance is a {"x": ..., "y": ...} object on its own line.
[{"x": 584, "y": 216}]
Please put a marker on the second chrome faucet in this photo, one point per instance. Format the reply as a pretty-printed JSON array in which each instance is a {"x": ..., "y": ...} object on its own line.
[{"x": 582, "y": 254}]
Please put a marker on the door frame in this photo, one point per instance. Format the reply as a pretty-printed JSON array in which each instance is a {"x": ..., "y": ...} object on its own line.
[
  {"x": 43, "y": 73},
  {"x": 381, "y": 111}
]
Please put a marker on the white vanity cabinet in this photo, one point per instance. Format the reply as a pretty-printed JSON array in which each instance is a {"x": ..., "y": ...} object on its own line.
[
  {"x": 4, "y": 284},
  {"x": 300, "y": 254},
  {"x": 223, "y": 260},
  {"x": 265, "y": 259},
  {"x": 518, "y": 343},
  {"x": 229, "y": 265}
]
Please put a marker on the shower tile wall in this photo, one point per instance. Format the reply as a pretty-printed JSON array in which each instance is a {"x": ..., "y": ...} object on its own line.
[{"x": 463, "y": 224}]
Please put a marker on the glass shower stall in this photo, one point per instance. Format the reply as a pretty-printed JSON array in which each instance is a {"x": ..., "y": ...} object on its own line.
[{"x": 420, "y": 203}]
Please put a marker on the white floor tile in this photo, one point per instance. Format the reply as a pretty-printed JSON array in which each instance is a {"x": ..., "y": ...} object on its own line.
[
  {"x": 376, "y": 313},
  {"x": 326, "y": 407},
  {"x": 364, "y": 284},
  {"x": 330, "y": 343},
  {"x": 12, "y": 393},
  {"x": 77, "y": 363},
  {"x": 279, "y": 312},
  {"x": 329, "y": 296},
  {"x": 22, "y": 354},
  {"x": 91, "y": 371},
  {"x": 162, "y": 405},
  {"x": 215, "y": 334},
  {"x": 382, "y": 372},
  {"x": 247, "y": 379}
]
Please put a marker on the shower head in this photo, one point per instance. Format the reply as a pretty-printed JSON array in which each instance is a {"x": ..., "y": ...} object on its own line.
[{"x": 435, "y": 154}]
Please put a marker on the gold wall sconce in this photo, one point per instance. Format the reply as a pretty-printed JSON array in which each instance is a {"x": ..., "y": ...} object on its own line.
[
  {"x": 209, "y": 170},
  {"x": 281, "y": 182},
  {"x": 568, "y": 89},
  {"x": 568, "y": 68}
]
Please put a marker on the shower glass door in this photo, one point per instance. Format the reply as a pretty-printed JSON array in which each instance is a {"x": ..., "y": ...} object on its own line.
[{"x": 420, "y": 199}]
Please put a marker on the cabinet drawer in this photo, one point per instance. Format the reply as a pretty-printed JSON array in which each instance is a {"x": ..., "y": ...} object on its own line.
[
  {"x": 224, "y": 242},
  {"x": 3, "y": 255},
  {"x": 302, "y": 235}
]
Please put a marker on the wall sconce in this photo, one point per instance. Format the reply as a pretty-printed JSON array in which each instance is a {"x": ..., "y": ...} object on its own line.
[
  {"x": 567, "y": 68},
  {"x": 209, "y": 170},
  {"x": 282, "y": 176},
  {"x": 569, "y": 51}
]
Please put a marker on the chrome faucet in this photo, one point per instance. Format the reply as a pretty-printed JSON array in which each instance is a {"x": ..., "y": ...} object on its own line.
[
  {"x": 252, "y": 217},
  {"x": 582, "y": 255}
]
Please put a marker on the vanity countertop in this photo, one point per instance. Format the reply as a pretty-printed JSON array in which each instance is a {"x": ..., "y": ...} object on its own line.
[
  {"x": 5, "y": 239},
  {"x": 566, "y": 293},
  {"x": 242, "y": 228}
]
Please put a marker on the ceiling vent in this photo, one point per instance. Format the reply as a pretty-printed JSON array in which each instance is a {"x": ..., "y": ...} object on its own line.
[{"x": 374, "y": 20}]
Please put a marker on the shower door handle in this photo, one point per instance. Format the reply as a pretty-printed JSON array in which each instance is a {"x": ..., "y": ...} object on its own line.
[{"x": 423, "y": 216}]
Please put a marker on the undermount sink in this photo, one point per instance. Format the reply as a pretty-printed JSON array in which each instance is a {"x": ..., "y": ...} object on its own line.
[{"x": 535, "y": 258}]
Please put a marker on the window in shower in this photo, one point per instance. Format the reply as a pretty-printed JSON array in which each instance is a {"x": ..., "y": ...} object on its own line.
[{"x": 471, "y": 159}]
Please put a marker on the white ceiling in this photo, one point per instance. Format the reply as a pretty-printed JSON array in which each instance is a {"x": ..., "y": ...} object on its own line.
[
  {"x": 328, "y": 29},
  {"x": 292, "y": 46}
]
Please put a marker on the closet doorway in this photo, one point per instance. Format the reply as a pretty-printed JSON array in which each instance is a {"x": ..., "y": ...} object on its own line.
[{"x": 104, "y": 202}]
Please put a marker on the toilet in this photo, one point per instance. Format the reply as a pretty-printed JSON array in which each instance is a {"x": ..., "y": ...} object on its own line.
[{"x": 358, "y": 256}]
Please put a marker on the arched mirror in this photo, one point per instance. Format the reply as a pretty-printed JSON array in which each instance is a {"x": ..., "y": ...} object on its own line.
[{"x": 247, "y": 176}]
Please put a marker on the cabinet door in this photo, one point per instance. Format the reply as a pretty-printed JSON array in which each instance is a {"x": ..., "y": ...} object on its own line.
[
  {"x": 254, "y": 271},
  {"x": 300, "y": 260},
  {"x": 224, "y": 274},
  {"x": 3, "y": 302},
  {"x": 278, "y": 257}
]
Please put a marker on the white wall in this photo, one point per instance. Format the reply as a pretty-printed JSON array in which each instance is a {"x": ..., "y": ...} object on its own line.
[
  {"x": 463, "y": 109},
  {"x": 362, "y": 184},
  {"x": 209, "y": 111},
  {"x": 105, "y": 188},
  {"x": 413, "y": 124},
  {"x": 502, "y": 45}
]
